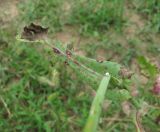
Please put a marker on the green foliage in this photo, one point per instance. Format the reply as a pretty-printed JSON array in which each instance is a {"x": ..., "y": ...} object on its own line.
[
  {"x": 106, "y": 66},
  {"x": 95, "y": 111},
  {"x": 44, "y": 91},
  {"x": 97, "y": 15},
  {"x": 150, "y": 9},
  {"x": 94, "y": 16},
  {"x": 45, "y": 12},
  {"x": 118, "y": 96},
  {"x": 28, "y": 79},
  {"x": 147, "y": 67},
  {"x": 154, "y": 49}
]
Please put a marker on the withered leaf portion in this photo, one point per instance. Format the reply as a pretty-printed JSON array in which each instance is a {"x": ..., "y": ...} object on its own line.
[
  {"x": 33, "y": 32},
  {"x": 125, "y": 73}
]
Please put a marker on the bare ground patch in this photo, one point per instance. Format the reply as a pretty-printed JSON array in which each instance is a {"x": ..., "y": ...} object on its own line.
[{"x": 8, "y": 11}]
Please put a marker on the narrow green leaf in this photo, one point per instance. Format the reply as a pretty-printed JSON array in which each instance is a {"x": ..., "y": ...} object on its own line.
[{"x": 96, "y": 107}]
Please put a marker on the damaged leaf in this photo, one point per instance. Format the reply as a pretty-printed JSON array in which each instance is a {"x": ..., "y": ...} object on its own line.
[{"x": 33, "y": 32}]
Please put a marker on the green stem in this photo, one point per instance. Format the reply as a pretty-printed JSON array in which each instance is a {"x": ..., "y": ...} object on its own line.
[
  {"x": 96, "y": 107},
  {"x": 136, "y": 121}
]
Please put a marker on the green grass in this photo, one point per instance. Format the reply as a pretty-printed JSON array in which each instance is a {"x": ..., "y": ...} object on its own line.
[
  {"x": 151, "y": 10},
  {"x": 39, "y": 92},
  {"x": 97, "y": 15},
  {"x": 39, "y": 106},
  {"x": 47, "y": 13}
]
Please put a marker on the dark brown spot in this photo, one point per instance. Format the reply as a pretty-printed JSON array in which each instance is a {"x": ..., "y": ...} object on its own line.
[
  {"x": 56, "y": 51},
  {"x": 37, "y": 28},
  {"x": 66, "y": 63},
  {"x": 33, "y": 32},
  {"x": 68, "y": 53}
]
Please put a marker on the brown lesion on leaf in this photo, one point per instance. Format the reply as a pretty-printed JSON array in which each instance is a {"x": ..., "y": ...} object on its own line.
[{"x": 34, "y": 32}]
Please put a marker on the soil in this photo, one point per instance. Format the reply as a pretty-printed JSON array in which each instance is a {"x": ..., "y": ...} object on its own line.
[{"x": 8, "y": 11}]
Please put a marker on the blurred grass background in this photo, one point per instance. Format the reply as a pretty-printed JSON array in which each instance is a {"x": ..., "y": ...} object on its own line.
[{"x": 40, "y": 93}]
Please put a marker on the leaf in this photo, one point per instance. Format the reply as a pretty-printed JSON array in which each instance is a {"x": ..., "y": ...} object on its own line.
[
  {"x": 117, "y": 95},
  {"x": 53, "y": 96},
  {"x": 147, "y": 67},
  {"x": 112, "y": 67},
  {"x": 96, "y": 107},
  {"x": 33, "y": 32},
  {"x": 44, "y": 80},
  {"x": 55, "y": 77}
]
